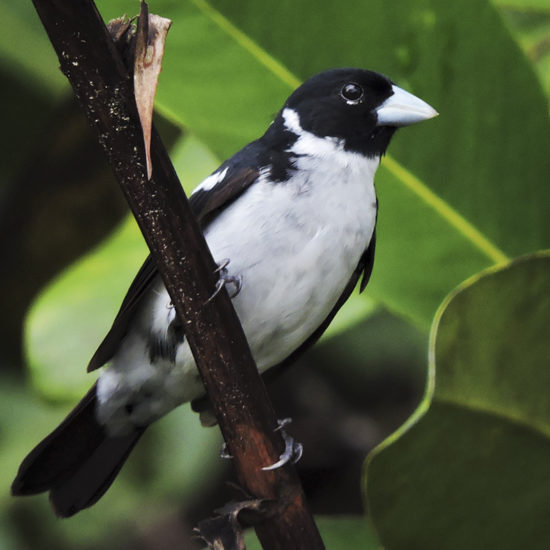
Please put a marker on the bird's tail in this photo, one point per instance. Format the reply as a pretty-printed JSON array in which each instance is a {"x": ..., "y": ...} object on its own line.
[{"x": 77, "y": 462}]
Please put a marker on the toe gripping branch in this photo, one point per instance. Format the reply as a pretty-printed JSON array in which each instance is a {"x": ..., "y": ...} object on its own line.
[
  {"x": 224, "y": 531},
  {"x": 292, "y": 453},
  {"x": 226, "y": 279},
  {"x": 293, "y": 449}
]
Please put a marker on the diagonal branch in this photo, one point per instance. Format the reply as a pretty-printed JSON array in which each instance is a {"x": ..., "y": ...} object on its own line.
[{"x": 104, "y": 89}]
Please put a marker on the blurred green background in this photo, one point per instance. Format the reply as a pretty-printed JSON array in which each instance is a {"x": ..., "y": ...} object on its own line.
[{"x": 463, "y": 193}]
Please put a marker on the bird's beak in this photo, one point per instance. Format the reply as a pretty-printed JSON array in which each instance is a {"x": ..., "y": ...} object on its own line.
[{"x": 402, "y": 109}]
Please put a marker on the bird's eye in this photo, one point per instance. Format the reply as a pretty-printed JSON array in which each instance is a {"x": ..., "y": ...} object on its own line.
[{"x": 352, "y": 93}]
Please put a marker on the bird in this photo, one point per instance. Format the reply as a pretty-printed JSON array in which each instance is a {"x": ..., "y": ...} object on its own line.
[{"x": 291, "y": 221}]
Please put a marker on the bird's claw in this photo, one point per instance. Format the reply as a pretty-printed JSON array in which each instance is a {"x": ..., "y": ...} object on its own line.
[
  {"x": 222, "y": 265},
  {"x": 293, "y": 450},
  {"x": 226, "y": 279}
]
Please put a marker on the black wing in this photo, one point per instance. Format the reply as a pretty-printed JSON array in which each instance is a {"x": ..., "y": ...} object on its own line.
[
  {"x": 141, "y": 283},
  {"x": 206, "y": 204}
]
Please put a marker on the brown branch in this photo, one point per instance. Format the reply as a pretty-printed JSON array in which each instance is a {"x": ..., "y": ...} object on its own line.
[{"x": 104, "y": 89}]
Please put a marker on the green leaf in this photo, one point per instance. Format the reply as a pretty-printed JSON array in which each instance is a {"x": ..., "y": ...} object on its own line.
[
  {"x": 338, "y": 533},
  {"x": 531, "y": 26},
  {"x": 26, "y": 50},
  {"x": 456, "y": 195},
  {"x": 472, "y": 471},
  {"x": 464, "y": 60},
  {"x": 525, "y": 5},
  {"x": 356, "y": 309},
  {"x": 460, "y": 186},
  {"x": 69, "y": 319}
]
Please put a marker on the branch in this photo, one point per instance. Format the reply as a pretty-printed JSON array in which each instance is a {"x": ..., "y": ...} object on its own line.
[{"x": 104, "y": 89}]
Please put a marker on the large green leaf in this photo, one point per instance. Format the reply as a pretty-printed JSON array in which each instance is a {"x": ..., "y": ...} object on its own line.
[
  {"x": 538, "y": 6},
  {"x": 530, "y": 22},
  {"x": 460, "y": 57},
  {"x": 473, "y": 471},
  {"x": 26, "y": 50},
  {"x": 458, "y": 194},
  {"x": 66, "y": 323},
  {"x": 471, "y": 178}
]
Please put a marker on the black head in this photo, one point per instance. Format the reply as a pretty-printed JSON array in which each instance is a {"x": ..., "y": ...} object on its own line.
[{"x": 361, "y": 108}]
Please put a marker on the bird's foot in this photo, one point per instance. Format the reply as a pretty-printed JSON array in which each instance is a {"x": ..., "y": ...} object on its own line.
[
  {"x": 293, "y": 450},
  {"x": 226, "y": 279}
]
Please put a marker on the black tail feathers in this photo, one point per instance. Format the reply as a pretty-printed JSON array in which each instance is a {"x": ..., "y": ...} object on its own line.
[{"x": 76, "y": 463}]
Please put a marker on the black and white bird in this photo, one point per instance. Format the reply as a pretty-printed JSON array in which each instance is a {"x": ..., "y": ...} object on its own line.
[{"x": 291, "y": 218}]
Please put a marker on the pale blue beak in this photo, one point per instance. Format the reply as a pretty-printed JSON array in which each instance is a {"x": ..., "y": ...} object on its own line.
[{"x": 402, "y": 109}]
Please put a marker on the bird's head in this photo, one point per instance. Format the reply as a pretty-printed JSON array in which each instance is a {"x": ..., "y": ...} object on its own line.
[{"x": 361, "y": 109}]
